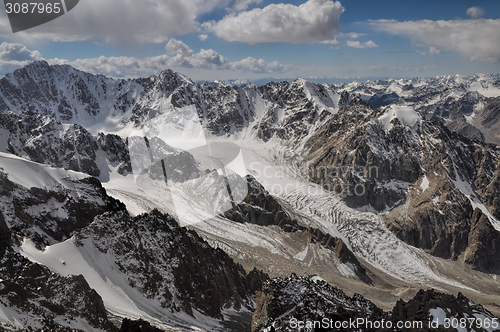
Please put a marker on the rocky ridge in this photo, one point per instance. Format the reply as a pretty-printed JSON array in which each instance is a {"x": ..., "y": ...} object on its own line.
[{"x": 283, "y": 304}]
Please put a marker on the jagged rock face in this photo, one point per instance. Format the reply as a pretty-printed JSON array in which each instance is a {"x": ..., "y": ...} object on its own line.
[
  {"x": 457, "y": 101},
  {"x": 117, "y": 151},
  {"x": 160, "y": 161},
  {"x": 239, "y": 111},
  {"x": 426, "y": 305},
  {"x": 288, "y": 110},
  {"x": 299, "y": 112},
  {"x": 306, "y": 299},
  {"x": 284, "y": 302},
  {"x": 329, "y": 125},
  {"x": 362, "y": 162},
  {"x": 452, "y": 112},
  {"x": 491, "y": 112},
  {"x": 424, "y": 175},
  {"x": 39, "y": 139},
  {"x": 47, "y": 215},
  {"x": 260, "y": 208},
  {"x": 489, "y": 119},
  {"x": 62, "y": 92},
  {"x": 484, "y": 244},
  {"x": 440, "y": 214},
  {"x": 171, "y": 164},
  {"x": 71, "y": 96},
  {"x": 381, "y": 99},
  {"x": 47, "y": 141},
  {"x": 185, "y": 274}
]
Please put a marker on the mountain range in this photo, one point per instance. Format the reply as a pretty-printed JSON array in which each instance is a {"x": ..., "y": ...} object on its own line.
[{"x": 178, "y": 205}]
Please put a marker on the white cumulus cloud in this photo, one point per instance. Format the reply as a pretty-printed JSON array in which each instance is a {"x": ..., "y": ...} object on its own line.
[
  {"x": 313, "y": 21},
  {"x": 476, "y": 38},
  {"x": 13, "y": 56},
  {"x": 475, "y": 12},
  {"x": 358, "y": 44},
  {"x": 434, "y": 50},
  {"x": 178, "y": 55},
  {"x": 175, "y": 46},
  {"x": 17, "y": 52},
  {"x": 242, "y": 5},
  {"x": 259, "y": 66},
  {"x": 350, "y": 35}
]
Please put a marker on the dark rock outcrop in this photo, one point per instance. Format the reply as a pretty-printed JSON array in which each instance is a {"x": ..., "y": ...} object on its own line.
[
  {"x": 381, "y": 99},
  {"x": 137, "y": 326},
  {"x": 260, "y": 208},
  {"x": 484, "y": 244},
  {"x": 423, "y": 176},
  {"x": 457, "y": 308},
  {"x": 283, "y": 303},
  {"x": 306, "y": 299},
  {"x": 47, "y": 141}
]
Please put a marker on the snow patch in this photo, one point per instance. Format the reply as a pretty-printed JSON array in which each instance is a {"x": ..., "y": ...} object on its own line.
[
  {"x": 30, "y": 174},
  {"x": 302, "y": 255},
  {"x": 425, "y": 183},
  {"x": 405, "y": 114},
  {"x": 438, "y": 315},
  {"x": 488, "y": 91}
]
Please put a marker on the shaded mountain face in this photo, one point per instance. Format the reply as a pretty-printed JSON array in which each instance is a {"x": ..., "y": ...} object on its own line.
[
  {"x": 170, "y": 264},
  {"x": 457, "y": 101},
  {"x": 167, "y": 264},
  {"x": 53, "y": 206},
  {"x": 283, "y": 304},
  {"x": 282, "y": 300},
  {"x": 65, "y": 94},
  {"x": 70, "y": 146},
  {"x": 381, "y": 99},
  {"x": 287, "y": 110}
]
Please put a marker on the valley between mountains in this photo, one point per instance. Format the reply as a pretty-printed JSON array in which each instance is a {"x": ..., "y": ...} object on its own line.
[{"x": 163, "y": 203}]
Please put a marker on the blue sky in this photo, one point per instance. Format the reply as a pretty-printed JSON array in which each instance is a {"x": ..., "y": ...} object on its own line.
[{"x": 255, "y": 39}]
